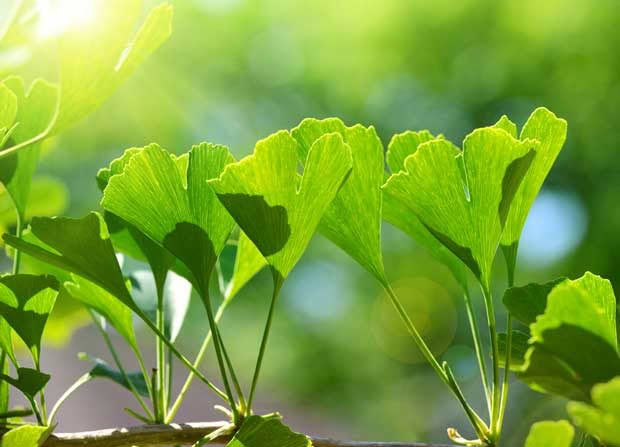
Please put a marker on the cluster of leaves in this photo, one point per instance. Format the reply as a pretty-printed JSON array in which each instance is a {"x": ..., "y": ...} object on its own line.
[{"x": 177, "y": 213}]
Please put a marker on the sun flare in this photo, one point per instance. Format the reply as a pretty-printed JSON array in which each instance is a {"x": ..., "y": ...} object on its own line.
[{"x": 57, "y": 16}]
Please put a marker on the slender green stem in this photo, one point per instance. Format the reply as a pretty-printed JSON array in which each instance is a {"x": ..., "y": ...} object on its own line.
[
  {"x": 18, "y": 233},
  {"x": 138, "y": 416},
  {"x": 36, "y": 410},
  {"x": 181, "y": 357},
  {"x": 78, "y": 383},
  {"x": 190, "y": 377},
  {"x": 119, "y": 365},
  {"x": 169, "y": 380},
  {"x": 475, "y": 332},
  {"x": 160, "y": 411},
  {"x": 277, "y": 286},
  {"x": 442, "y": 372},
  {"x": 496, "y": 389},
  {"x": 217, "y": 343},
  {"x": 233, "y": 376}
]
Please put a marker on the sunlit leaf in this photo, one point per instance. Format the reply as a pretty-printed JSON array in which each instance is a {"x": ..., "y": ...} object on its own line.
[
  {"x": 26, "y": 436},
  {"x": 25, "y": 303},
  {"x": 573, "y": 343},
  {"x": 177, "y": 294},
  {"x": 550, "y": 434},
  {"x": 103, "y": 370},
  {"x": 8, "y": 109},
  {"x": 550, "y": 131},
  {"x": 115, "y": 312},
  {"x": 353, "y": 219},
  {"x": 277, "y": 210},
  {"x": 526, "y": 303},
  {"x": 248, "y": 262},
  {"x": 258, "y": 431},
  {"x": 34, "y": 112},
  {"x": 181, "y": 214},
  {"x": 398, "y": 214},
  {"x": 96, "y": 58},
  {"x": 519, "y": 345},
  {"x": 463, "y": 198},
  {"x": 80, "y": 246},
  {"x": 602, "y": 419},
  {"x": 29, "y": 381},
  {"x": 6, "y": 341}
]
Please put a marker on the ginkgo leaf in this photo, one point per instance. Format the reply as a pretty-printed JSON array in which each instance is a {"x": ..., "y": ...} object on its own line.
[
  {"x": 6, "y": 341},
  {"x": 80, "y": 246},
  {"x": 114, "y": 311},
  {"x": 103, "y": 370},
  {"x": 29, "y": 381},
  {"x": 573, "y": 344},
  {"x": 550, "y": 434},
  {"x": 4, "y": 386},
  {"x": 8, "y": 109},
  {"x": 463, "y": 198},
  {"x": 26, "y": 436},
  {"x": 177, "y": 294},
  {"x": 602, "y": 419},
  {"x": 34, "y": 112},
  {"x": 25, "y": 303},
  {"x": 258, "y": 431},
  {"x": 526, "y": 303},
  {"x": 248, "y": 262},
  {"x": 96, "y": 59},
  {"x": 519, "y": 345},
  {"x": 550, "y": 131},
  {"x": 353, "y": 219},
  {"x": 278, "y": 211},
  {"x": 507, "y": 125},
  {"x": 182, "y": 215},
  {"x": 399, "y": 215}
]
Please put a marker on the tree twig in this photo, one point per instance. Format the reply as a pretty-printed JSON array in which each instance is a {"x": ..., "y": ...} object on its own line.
[{"x": 183, "y": 434}]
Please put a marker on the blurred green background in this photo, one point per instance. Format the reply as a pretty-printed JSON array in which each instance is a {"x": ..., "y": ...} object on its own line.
[{"x": 339, "y": 364}]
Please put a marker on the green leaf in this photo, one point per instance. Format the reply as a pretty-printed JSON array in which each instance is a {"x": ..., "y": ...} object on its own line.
[
  {"x": 399, "y": 215},
  {"x": 353, "y": 219},
  {"x": 114, "y": 311},
  {"x": 177, "y": 294},
  {"x": 95, "y": 60},
  {"x": 48, "y": 197},
  {"x": 103, "y": 370},
  {"x": 275, "y": 208},
  {"x": 504, "y": 123},
  {"x": 181, "y": 214},
  {"x": 550, "y": 434},
  {"x": 573, "y": 344},
  {"x": 29, "y": 381},
  {"x": 6, "y": 341},
  {"x": 35, "y": 110},
  {"x": 258, "y": 431},
  {"x": 25, "y": 303},
  {"x": 4, "y": 386},
  {"x": 463, "y": 198},
  {"x": 602, "y": 419},
  {"x": 80, "y": 246},
  {"x": 26, "y": 436},
  {"x": 519, "y": 348},
  {"x": 248, "y": 262},
  {"x": 8, "y": 109},
  {"x": 550, "y": 131},
  {"x": 527, "y": 302}
]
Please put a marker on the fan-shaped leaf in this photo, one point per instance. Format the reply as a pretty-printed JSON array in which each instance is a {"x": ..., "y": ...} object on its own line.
[
  {"x": 26, "y": 436},
  {"x": 248, "y": 262},
  {"x": 103, "y": 370},
  {"x": 29, "y": 381},
  {"x": 258, "y": 431},
  {"x": 550, "y": 434},
  {"x": 464, "y": 198},
  {"x": 278, "y": 211},
  {"x": 526, "y": 303}
]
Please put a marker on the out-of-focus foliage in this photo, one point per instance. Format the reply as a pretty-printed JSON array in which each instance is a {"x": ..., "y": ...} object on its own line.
[{"x": 236, "y": 70}]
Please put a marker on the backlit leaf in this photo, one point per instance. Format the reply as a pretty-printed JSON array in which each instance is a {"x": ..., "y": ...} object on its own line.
[
  {"x": 519, "y": 348},
  {"x": 34, "y": 112},
  {"x": 550, "y": 131},
  {"x": 8, "y": 109},
  {"x": 115, "y": 312},
  {"x": 463, "y": 198},
  {"x": 276, "y": 209},
  {"x": 248, "y": 262},
  {"x": 602, "y": 419},
  {"x": 258, "y": 431},
  {"x": 399, "y": 215},
  {"x": 527, "y": 302},
  {"x": 181, "y": 214},
  {"x": 26, "y": 436},
  {"x": 25, "y": 303},
  {"x": 96, "y": 58},
  {"x": 353, "y": 219},
  {"x": 550, "y": 434}
]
